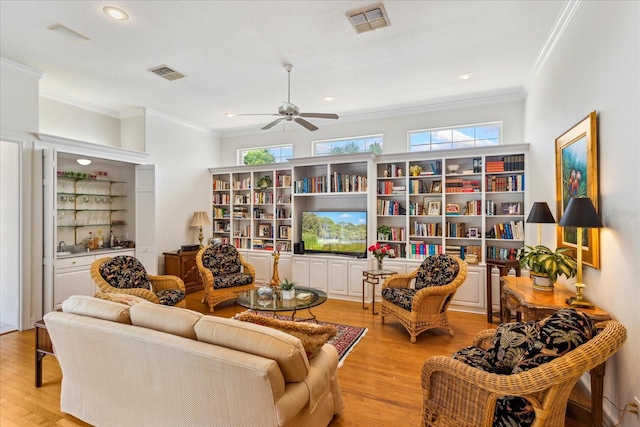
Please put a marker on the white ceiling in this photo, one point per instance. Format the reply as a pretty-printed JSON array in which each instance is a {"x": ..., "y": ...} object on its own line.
[{"x": 233, "y": 54}]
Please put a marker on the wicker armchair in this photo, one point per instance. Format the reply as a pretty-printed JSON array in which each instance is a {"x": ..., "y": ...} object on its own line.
[
  {"x": 456, "y": 393},
  {"x": 224, "y": 273},
  {"x": 127, "y": 275},
  {"x": 425, "y": 307}
]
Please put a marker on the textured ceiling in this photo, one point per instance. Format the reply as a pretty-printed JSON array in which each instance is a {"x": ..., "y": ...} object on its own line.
[{"x": 233, "y": 54}]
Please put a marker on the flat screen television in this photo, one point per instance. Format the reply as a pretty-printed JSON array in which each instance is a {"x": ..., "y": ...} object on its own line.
[{"x": 335, "y": 232}]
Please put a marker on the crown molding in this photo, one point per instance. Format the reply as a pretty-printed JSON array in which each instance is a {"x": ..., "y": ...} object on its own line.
[
  {"x": 554, "y": 36},
  {"x": 9, "y": 65},
  {"x": 84, "y": 148},
  {"x": 181, "y": 122},
  {"x": 55, "y": 96}
]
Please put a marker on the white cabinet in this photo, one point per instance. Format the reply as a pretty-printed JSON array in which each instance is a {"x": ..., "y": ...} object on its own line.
[
  {"x": 262, "y": 262},
  {"x": 338, "y": 274},
  {"x": 355, "y": 277},
  {"x": 471, "y": 295},
  {"x": 300, "y": 270},
  {"x": 318, "y": 274}
]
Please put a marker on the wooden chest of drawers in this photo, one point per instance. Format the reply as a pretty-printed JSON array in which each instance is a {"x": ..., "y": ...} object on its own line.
[{"x": 183, "y": 265}]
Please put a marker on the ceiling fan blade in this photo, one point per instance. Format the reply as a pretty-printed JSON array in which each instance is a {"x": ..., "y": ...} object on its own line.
[
  {"x": 273, "y": 123},
  {"x": 258, "y": 114},
  {"x": 319, "y": 115},
  {"x": 305, "y": 123}
]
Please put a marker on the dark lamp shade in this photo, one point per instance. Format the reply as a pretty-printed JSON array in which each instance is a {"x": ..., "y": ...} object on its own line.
[
  {"x": 580, "y": 213},
  {"x": 540, "y": 214}
]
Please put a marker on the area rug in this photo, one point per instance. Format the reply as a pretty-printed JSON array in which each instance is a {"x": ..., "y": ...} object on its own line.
[{"x": 345, "y": 341}]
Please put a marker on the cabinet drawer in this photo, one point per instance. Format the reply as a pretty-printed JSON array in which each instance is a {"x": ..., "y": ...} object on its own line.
[{"x": 75, "y": 262}]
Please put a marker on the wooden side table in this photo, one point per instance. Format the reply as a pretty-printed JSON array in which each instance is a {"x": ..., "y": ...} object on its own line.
[
  {"x": 373, "y": 277},
  {"x": 518, "y": 294},
  {"x": 44, "y": 346},
  {"x": 183, "y": 265},
  {"x": 504, "y": 266}
]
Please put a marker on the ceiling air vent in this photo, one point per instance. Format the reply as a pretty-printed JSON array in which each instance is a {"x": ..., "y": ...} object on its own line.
[
  {"x": 167, "y": 73},
  {"x": 368, "y": 18}
]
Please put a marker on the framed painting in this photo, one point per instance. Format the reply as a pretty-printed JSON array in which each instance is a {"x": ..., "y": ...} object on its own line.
[{"x": 577, "y": 176}]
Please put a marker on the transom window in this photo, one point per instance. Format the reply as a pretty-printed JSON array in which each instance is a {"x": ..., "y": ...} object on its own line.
[
  {"x": 265, "y": 155},
  {"x": 360, "y": 144},
  {"x": 467, "y": 136}
]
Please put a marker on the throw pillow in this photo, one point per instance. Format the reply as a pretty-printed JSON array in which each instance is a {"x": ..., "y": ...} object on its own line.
[
  {"x": 121, "y": 298},
  {"x": 312, "y": 336},
  {"x": 510, "y": 343}
]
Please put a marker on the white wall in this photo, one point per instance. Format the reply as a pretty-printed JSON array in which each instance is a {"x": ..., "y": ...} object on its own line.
[
  {"x": 62, "y": 119},
  {"x": 182, "y": 155},
  {"x": 596, "y": 66},
  {"x": 18, "y": 97},
  {"x": 9, "y": 232},
  {"x": 394, "y": 128}
]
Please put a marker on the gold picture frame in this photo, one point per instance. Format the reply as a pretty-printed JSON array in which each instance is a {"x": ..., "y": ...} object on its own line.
[{"x": 577, "y": 176}]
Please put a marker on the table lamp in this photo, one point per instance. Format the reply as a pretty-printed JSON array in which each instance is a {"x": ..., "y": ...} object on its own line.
[
  {"x": 540, "y": 214},
  {"x": 200, "y": 219},
  {"x": 580, "y": 213}
]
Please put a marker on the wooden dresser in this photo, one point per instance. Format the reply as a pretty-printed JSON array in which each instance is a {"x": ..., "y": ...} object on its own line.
[{"x": 183, "y": 265}]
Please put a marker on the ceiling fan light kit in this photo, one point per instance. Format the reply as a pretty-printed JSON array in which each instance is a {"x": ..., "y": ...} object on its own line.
[{"x": 291, "y": 113}]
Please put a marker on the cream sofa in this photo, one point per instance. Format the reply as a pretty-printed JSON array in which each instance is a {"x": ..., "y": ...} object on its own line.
[{"x": 152, "y": 365}]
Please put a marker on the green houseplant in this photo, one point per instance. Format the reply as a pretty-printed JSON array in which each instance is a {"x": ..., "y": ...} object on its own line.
[
  {"x": 265, "y": 182},
  {"x": 543, "y": 263},
  {"x": 383, "y": 232},
  {"x": 287, "y": 288}
]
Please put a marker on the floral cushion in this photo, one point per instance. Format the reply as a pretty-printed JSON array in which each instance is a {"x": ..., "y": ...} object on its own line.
[
  {"x": 513, "y": 411},
  {"x": 312, "y": 336},
  {"x": 560, "y": 333},
  {"x": 125, "y": 272},
  {"x": 170, "y": 296},
  {"x": 231, "y": 280},
  {"x": 221, "y": 259},
  {"x": 473, "y": 356},
  {"x": 402, "y": 297},
  {"x": 436, "y": 270},
  {"x": 510, "y": 343}
]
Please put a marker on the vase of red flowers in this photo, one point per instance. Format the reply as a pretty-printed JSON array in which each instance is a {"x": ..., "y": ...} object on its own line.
[{"x": 379, "y": 252}]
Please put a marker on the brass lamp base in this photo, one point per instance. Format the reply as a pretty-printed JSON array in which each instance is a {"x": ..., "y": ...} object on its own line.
[
  {"x": 578, "y": 300},
  {"x": 201, "y": 238}
]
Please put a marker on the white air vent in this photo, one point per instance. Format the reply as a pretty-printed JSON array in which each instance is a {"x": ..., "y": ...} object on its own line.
[
  {"x": 368, "y": 18},
  {"x": 167, "y": 73}
]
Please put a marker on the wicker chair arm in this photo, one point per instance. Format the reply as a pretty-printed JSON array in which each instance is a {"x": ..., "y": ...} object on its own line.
[
  {"x": 399, "y": 280},
  {"x": 167, "y": 282},
  {"x": 484, "y": 338},
  {"x": 247, "y": 268},
  {"x": 205, "y": 274}
]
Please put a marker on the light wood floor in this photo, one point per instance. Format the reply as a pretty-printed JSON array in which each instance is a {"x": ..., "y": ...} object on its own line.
[{"x": 380, "y": 378}]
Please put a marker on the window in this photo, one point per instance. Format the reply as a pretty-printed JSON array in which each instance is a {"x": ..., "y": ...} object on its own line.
[
  {"x": 361, "y": 144},
  {"x": 467, "y": 136},
  {"x": 265, "y": 155}
]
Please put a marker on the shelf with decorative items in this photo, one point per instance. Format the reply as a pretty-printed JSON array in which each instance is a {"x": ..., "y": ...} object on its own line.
[
  {"x": 283, "y": 210},
  {"x": 221, "y": 208}
]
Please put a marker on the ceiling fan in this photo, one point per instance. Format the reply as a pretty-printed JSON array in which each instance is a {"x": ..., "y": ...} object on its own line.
[{"x": 290, "y": 112}]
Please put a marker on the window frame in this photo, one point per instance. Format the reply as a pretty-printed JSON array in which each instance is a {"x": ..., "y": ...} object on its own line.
[
  {"x": 241, "y": 152},
  {"x": 432, "y": 144},
  {"x": 314, "y": 144}
]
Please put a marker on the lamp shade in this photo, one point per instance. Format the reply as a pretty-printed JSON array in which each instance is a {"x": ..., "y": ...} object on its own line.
[
  {"x": 200, "y": 219},
  {"x": 540, "y": 214},
  {"x": 580, "y": 213}
]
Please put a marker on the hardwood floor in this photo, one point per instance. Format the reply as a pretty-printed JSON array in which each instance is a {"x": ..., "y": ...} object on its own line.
[{"x": 380, "y": 378}]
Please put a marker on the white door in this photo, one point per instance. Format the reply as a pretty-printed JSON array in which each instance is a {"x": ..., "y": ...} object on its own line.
[
  {"x": 146, "y": 218},
  {"x": 49, "y": 166}
]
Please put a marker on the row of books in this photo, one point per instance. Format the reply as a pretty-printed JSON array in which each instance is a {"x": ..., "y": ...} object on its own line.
[
  {"x": 240, "y": 212},
  {"x": 419, "y": 250},
  {"x": 504, "y": 254},
  {"x": 474, "y": 207},
  {"x": 505, "y": 183},
  {"x": 221, "y": 226},
  {"x": 390, "y": 187},
  {"x": 390, "y": 207},
  {"x": 506, "y": 164},
  {"x": 345, "y": 183},
  {"x": 396, "y": 234},
  {"x": 472, "y": 252},
  {"x": 430, "y": 229},
  {"x": 219, "y": 184},
  {"x": 241, "y": 199},
  {"x": 456, "y": 229},
  {"x": 243, "y": 184},
  {"x": 282, "y": 214},
  {"x": 221, "y": 198},
  {"x": 459, "y": 185},
  {"x": 241, "y": 243},
  {"x": 283, "y": 180},
  {"x": 418, "y": 208},
  {"x": 419, "y": 187},
  {"x": 262, "y": 198},
  {"x": 507, "y": 230},
  {"x": 220, "y": 213},
  {"x": 316, "y": 184}
]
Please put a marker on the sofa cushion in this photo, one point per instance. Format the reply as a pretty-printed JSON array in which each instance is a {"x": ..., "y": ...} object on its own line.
[
  {"x": 436, "y": 270},
  {"x": 560, "y": 333},
  {"x": 121, "y": 298},
  {"x": 173, "y": 320},
  {"x": 312, "y": 336},
  {"x": 231, "y": 280},
  {"x": 125, "y": 272},
  {"x": 97, "y": 308},
  {"x": 221, "y": 259},
  {"x": 509, "y": 344},
  {"x": 286, "y": 350}
]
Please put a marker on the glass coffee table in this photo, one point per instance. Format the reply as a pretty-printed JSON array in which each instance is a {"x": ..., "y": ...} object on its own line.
[{"x": 314, "y": 298}]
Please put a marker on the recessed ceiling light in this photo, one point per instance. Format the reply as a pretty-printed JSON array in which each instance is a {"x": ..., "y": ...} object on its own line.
[
  {"x": 115, "y": 13},
  {"x": 84, "y": 162},
  {"x": 229, "y": 114},
  {"x": 328, "y": 98},
  {"x": 465, "y": 76}
]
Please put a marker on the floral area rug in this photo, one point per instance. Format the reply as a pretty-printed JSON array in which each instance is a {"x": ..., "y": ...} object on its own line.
[{"x": 346, "y": 340}]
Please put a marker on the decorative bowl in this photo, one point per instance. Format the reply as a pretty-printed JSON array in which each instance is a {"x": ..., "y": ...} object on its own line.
[{"x": 453, "y": 168}]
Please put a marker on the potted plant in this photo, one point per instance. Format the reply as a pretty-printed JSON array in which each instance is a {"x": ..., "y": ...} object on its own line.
[
  {"x": 287, "y": 288},
  {"x": 384, "y": 232},
  {"x": 265, "y": 182},
  {"x": 545, "y": 265}
]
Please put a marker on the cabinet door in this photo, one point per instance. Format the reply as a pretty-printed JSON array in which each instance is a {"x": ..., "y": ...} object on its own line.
[
  {"x": 300, "y": 270},
  {"x": 318, "y": 274},
  {"x": 472, "y": 291},
  {"x": 338, "y": 274},
  {"x": 72, "y": 282},
  {"x": 262, "y": 263},
  {"x": 355, "y": 277},
  {"x": 284, "y": 268},
  {"x": 146, "y": 208}
]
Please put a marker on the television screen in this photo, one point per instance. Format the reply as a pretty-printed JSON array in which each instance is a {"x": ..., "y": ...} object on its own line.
[{"x": 337, "y": 232}]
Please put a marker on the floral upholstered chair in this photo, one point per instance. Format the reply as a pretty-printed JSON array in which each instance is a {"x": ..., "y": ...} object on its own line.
[
  {"x": 224, "y": 273},
  {"x": 424, "y": 306},
  {"x": 126, "y": 275},
  {"x": 518, "y": 375}
]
